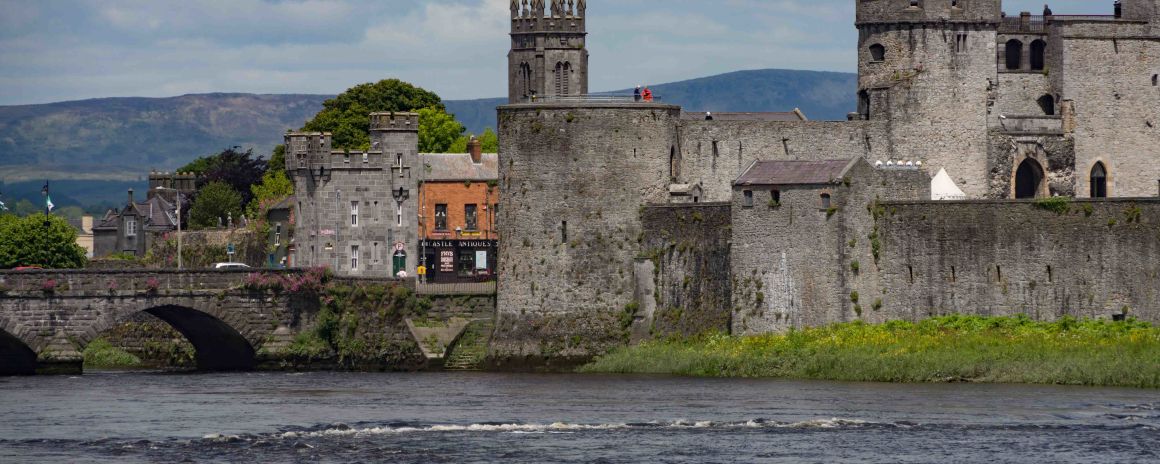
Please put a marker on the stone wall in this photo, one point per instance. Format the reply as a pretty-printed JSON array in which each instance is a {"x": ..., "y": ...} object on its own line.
[
  {"x": 687, "y": 253},
  {"x": 573, "y": 179},
  {"x": 715, "y": 153},
  {"x": 1086, "y": 259},
  {"x": 1117, "y": 109}
]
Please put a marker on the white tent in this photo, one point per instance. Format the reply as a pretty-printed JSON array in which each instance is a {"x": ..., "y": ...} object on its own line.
[{"x": 942, "y": 187}]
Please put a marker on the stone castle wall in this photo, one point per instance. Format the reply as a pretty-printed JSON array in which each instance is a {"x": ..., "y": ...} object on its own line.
[
  {"x": 1095, "y": 259},
  {"x": 714, "y": 153},
  {"x": 573, "y": 179},
  {"x": 685, "y": 261}
]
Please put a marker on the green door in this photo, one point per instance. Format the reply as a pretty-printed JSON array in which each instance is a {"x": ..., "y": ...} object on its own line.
[{"x": 400, "y": 263}]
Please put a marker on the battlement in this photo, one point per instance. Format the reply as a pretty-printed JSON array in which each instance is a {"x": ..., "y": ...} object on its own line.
[
  {"x": 921, "y": 11},
  {"x": 395, "y": 122},
  {"x": 531, "y": 17},
  {"x": 183, "y": 181}
]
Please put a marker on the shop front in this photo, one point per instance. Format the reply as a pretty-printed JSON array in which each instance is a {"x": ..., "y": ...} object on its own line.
[{"x": 451, "y": 261}]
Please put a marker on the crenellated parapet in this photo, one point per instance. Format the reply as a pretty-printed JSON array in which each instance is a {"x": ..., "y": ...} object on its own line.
[
  {"x": 529, "y": 16},
  {"x": 395, "y": 122}
]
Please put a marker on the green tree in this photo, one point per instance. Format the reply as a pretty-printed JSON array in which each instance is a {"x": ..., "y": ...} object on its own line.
[
  {"x": 347, "y": 116},
  {"x": 275, "y": 187},
  {"x": 199, "y": 166},
  {"x": 437, "y": 130},
  {"x": 490, "y": 141},
  {"x": 277, "y": 159},
  {"x": 215, "y": 200},
  {"x": 39, "y": 240}
]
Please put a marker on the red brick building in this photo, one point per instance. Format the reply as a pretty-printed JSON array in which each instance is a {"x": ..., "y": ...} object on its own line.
[{"x": 457, "y": 205}]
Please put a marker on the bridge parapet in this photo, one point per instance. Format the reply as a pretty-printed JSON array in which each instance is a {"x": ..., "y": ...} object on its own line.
[{"x": 84, "y": 282}]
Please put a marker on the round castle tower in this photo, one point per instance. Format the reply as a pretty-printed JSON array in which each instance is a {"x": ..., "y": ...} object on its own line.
[{"x": 928, "y": 67}]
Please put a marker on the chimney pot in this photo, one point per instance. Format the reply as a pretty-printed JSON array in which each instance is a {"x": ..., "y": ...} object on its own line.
[{"x": 130, "y": 196}]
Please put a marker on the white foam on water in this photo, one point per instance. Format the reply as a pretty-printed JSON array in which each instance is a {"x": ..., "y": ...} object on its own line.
[{"x": 564, "y": 427}]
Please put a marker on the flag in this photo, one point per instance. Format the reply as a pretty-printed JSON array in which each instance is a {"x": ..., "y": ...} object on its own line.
[
  {"x": 3, "y": 207},
  {"x": 48, "y": 203}
]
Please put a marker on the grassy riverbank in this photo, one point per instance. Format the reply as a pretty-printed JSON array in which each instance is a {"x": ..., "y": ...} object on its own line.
[{"x": 945, "y": 349}]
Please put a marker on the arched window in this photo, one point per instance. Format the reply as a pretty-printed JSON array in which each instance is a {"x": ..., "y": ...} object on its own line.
[
  {"x": 1014, "y": 54},
  {"x": 1047, "y": 104},
  {"x": 567, "y": 78},
  {"x": 1038, "y": 50},
  {"x": 877, "y": 52},
  {"x": 1099, "y": 181},
  {"x": 826, "y": 203},
  {"x": 559, "y": 79},
  {"x": 1028, "y": 179}
]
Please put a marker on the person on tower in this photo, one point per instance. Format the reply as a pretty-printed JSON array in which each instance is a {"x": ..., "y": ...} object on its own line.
[
  {"x": 1046, "y": 10},
  {"x": 647, "y": 94},
  {"x": 636, "y": 94}
]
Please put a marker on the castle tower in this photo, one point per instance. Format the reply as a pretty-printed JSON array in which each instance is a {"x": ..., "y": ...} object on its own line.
[
  {"x": 928, "y": 67},
  {"x": 548, "y": 55},
  {"x": 396, "y": 136}
]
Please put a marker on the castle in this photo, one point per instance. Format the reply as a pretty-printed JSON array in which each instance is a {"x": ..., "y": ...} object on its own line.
[{"x": 628, "y": 219}]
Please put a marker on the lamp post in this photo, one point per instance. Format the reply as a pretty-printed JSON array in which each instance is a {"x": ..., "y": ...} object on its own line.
[{"x": 178, "y": 194}]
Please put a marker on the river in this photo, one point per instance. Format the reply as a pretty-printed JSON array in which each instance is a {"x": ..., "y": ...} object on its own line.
[{"x": 480, "y": 417}]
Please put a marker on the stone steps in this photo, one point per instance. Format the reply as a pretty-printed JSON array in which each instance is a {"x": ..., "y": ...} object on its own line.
[{"x": 471, "y": 349}]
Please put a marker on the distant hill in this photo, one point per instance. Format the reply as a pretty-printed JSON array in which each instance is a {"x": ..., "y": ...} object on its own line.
[
  {"x": 820, "y": 95},
  {"x": 120, "y": 139}
]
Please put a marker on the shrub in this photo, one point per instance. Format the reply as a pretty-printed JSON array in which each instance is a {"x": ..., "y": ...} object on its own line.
[
  {"x": 1057, "y": 205},
  {"x": 48, "y": 286}
]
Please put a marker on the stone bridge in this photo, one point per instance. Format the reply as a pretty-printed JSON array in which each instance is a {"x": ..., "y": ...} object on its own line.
[{"x": 48, "y": 317}]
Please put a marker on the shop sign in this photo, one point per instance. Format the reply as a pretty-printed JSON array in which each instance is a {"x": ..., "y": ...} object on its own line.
[{"x": 447, "y": 261}]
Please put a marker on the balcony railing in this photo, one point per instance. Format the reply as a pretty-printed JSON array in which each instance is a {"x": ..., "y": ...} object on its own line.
[{"x": 587, "y": 99}]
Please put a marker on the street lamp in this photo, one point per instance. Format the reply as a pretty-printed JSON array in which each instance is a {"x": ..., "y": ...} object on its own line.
[{"x": 178, "y": 194}]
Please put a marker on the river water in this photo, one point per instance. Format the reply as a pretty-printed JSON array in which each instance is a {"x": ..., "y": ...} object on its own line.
[{"x": 445, "y": 417}]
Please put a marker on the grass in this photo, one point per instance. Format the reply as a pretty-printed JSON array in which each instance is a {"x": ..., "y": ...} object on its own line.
[
  {"x": 945, "y": 349},
  {"x": 100, "y": 354}
]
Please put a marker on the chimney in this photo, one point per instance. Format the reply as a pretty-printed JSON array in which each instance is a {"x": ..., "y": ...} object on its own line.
[
  {"x": 87, "y": 223},
  {"x": 130, "y": 196},
  {"x": 476, "y": 150}
]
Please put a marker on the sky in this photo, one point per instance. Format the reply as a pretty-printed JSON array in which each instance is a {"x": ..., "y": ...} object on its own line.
[{"x": 57, "y": 50}]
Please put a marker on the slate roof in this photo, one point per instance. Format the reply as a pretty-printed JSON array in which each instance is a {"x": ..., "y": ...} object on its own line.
[
  {"x": 458, "y": 167},
  {"x": 794, "y": 172},
  {"x": 786, "y": 116},
  {"x": 156, "y": 212}
]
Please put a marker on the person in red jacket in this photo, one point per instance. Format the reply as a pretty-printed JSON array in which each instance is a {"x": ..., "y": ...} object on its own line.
[{"x": 647, "y": 94}]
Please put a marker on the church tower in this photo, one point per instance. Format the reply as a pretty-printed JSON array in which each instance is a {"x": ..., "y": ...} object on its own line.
[{"x": 548, "y": 57}]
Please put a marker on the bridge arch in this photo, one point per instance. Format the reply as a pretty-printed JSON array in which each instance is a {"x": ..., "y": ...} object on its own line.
[
  {"x": 220, "y": 342},
  {"x": 16, "y": 357}
]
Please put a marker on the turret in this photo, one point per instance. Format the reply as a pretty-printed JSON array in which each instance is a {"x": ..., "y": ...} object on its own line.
[{"x": 548, "y": 55}]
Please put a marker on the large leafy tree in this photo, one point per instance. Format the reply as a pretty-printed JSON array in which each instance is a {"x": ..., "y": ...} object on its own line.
[
  {"x": 347, "y": 116},
  {"x": 39, "y": 240},
  {"x": 489, "y": 142},
  {"x": 437, "y": 130},
  {"x": 215, "y": 200},
  {"x": 236, "y": 168}
]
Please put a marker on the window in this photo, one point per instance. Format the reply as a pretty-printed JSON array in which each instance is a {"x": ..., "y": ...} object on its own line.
[
  {"x": 130, "y": 227},
  {"x": 955, "y": 3},
  {"x": 961, "y": 42},
  {"x": 915, "y": 4},
  {"x": 441, "y": 218},
  {"x": 1038, "y": 50},
  {"x": 354, "y": 257},
  {"x": 376, "y": 254},
  {"x": 354, "y": 214},
  {"x": 564, "y": 232},
  {"x": 747, "y": 199},
  {"x": 399, "y": 160},
  {"x": 1099, "y": 181},
  {"x": 826, "y": 203},
  {"x": 470, "y": 220},
  {"x": 1047, "y": 104},
  {"x": 278, "y": 234},
  {"x": 1014, "y": 51},
  {"x": 399, "y": 215},
  {"x": 375, "y": 210},
  {"x": 877, "y": 52},
  {"x": 1155, "y": 80},
  {"x": 775, "y": 197},
  {"x": 366, "y": 157}
]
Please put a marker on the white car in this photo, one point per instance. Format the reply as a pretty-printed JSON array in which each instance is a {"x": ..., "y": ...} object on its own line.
[{"x": 230, "y": 266}]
